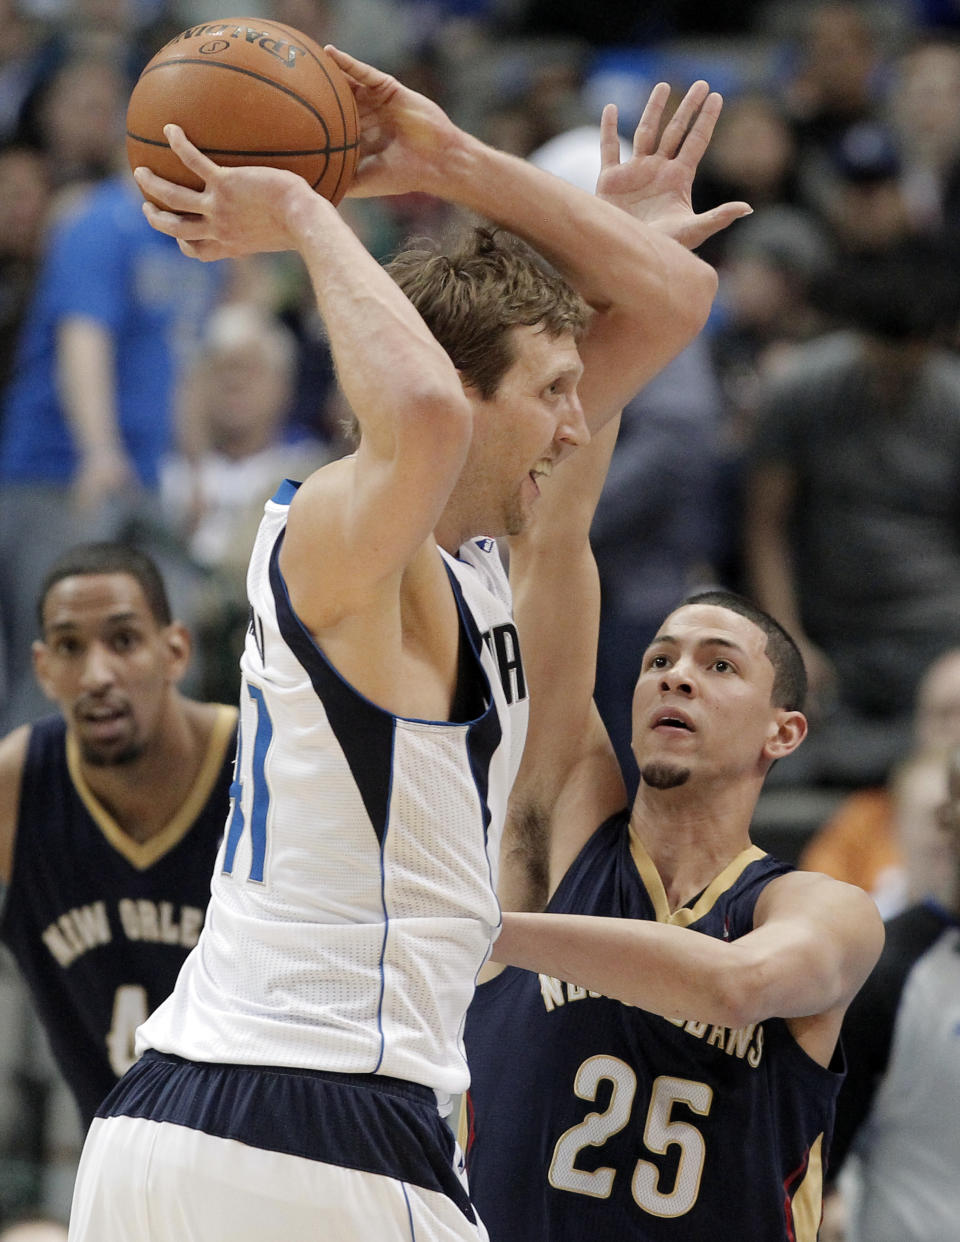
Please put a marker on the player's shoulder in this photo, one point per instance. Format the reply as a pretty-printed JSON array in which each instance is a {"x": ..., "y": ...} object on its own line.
[
  {"x": 800, "y": 891},
  {"x": 13, "y": 751},
  {"x": 13, "y": 758}
]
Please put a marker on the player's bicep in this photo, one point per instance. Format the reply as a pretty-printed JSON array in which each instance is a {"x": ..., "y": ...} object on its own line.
[
  {"x": 815, "y": 941},
  {"x": 357, "y": 523},
  {"x": 623, "y": 349}
]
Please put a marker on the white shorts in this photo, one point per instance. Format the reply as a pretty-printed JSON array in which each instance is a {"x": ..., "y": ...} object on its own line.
[{"x": 395, "y": 1173}]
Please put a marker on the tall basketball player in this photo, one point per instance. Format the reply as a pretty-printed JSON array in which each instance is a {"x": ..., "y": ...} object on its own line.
[{"x": 290, "y": 1086}]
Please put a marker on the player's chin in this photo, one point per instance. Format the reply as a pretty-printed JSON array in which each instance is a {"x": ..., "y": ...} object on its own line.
[
  {"x": 100, "y": 752},
  {"x": 659, "y": 774},
  {"x": 517, "y": 521}
]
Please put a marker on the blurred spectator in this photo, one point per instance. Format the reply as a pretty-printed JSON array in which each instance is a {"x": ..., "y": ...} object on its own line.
[
  {"x": 236, "y": 398},
  {"x": 24, "y": 196},
  {"x": 867, "y": 209},
  {"x": 924, "y": 111},
  {"x": 852, "y": 510},
  {"x": 88, "y": 411},
  {"x": 22, "y": 63},
  {"x": 835, "y": 82},
  {"x": 896, "y": 1112},
  {"x": 763, "y": 312},
  {"x": 752, "y": 157},
  {"x": 380, "y": 32},
  {"x": 623, "y": 21},
  {"x": 859, "y": 843},
  {"x": 76, "y": 118}
]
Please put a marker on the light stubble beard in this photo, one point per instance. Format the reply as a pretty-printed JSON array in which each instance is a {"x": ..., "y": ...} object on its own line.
[
  {"x": 664, "y": 775},
  {"x": 96, "y": 758}
]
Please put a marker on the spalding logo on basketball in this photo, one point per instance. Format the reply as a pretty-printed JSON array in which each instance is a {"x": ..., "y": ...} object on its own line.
[{"x": 247, "y": 91}]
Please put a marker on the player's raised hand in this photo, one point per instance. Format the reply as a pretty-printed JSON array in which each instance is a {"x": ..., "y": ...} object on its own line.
[
  {"x": 239, "y": 211},
  {"x": 656, "y": 183},
  {"x": 404, "y": 137}
]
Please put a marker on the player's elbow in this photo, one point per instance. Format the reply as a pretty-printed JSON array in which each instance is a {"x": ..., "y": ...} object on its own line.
[
  {"x": 749, "y": 989},
  {"x": 694, "y": 295},
  {"x": 734, "y": 997}
]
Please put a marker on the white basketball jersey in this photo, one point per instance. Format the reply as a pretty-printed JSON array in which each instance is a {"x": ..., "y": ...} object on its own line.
[{"x": 354, "y": 896}]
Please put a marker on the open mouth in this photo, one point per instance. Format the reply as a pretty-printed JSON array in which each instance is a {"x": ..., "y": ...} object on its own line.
[
  {"x": 669, "y": 721},
  {"x": 542, "y": 470},
  {"x": 100, "y": 720}
]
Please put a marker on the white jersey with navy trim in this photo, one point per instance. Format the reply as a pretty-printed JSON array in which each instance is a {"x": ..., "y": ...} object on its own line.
[{"x": 354, "y": 896}]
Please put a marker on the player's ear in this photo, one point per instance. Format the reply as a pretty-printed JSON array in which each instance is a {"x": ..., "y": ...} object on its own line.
[
  {"x": 179, "y": 647},
  {"x": 787, "y": 731}
]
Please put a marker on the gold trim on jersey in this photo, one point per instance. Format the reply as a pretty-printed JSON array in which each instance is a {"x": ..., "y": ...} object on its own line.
[
  {"x": 650, "y": 878},
  {"x": 143, "y": 854},
  {"x": 806, "y": 1205}
]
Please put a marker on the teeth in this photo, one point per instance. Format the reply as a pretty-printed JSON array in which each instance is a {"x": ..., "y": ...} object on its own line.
[{"x": 544, "y": 466}]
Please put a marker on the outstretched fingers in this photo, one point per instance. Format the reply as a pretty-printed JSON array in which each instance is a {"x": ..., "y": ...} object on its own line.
[
  {"x": 609, "y": 137},
  {"x": 648, "y": 127},
  {"x": 697, "y": 137},
  {"x": 680, "y": 124}
]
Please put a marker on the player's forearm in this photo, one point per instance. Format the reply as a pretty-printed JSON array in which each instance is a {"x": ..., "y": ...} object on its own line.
[
  {"x": 664, "y": 969},
  {"x": 388, "y": 363},
  {"x": 652, "y": 296},
  {"x": 613, "y": 259}
]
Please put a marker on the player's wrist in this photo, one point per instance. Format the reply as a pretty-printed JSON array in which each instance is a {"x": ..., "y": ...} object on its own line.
[{"x": 306, "y": 215}]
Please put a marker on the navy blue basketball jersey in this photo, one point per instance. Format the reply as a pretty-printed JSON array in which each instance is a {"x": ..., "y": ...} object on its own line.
[
  {"x": 589, "y": 1119},
  {"x": 100, "y": 924}
]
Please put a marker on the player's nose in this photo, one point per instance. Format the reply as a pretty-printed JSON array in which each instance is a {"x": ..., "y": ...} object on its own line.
[
  {"x": 572, "y": 429},
  {"x": 97, "y": 670}
]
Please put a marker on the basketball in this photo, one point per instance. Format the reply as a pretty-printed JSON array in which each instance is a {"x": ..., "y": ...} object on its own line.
[{"x": 246, "y": 91}]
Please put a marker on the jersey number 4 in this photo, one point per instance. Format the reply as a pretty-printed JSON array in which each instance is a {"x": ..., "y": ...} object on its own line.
[{"x": 660, "y": 1130}]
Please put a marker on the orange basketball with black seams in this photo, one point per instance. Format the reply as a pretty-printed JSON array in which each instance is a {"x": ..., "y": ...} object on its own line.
[{"x": 247, "y": 91}]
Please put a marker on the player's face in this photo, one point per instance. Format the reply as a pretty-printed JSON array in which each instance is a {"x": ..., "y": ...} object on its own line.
[
  {"x": 531, "y": 423},
  {"x": 107, "y": 664},
  {"x": 702, "y": 704}
]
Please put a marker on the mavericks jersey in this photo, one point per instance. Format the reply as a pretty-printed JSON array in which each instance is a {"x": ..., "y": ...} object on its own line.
[
  {"x": 354, "y": 898},
  {"x": 591, "y": 1119},
  {"x": 100, "y": 924}
]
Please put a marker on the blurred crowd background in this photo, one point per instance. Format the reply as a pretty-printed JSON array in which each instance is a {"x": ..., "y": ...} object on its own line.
[{"x": 804, "y": 450}]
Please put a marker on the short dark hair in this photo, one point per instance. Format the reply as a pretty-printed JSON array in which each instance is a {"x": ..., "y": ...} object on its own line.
[
  {"x": 789, "y": 674},
  {"x": 473, "y": 288},
  {"x": 109, "y": 558}
]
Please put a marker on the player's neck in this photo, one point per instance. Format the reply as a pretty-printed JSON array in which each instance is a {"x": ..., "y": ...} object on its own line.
[
  {"x": 691, "y": 835},
  {"x": 144, "y": 794}
]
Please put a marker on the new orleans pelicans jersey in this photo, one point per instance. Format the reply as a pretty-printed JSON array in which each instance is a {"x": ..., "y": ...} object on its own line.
[
  {"x": 590, "y": 1119},
  {"x": 354, "y": 898},
  {"x": 100, "y": 924}
]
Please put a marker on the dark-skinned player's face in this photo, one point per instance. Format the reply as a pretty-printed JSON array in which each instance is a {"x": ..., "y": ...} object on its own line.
[{"x": 107, "y": 663}]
